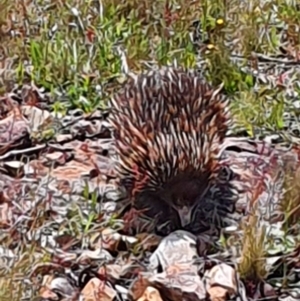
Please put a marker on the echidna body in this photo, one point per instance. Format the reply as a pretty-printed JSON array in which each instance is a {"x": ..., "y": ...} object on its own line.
[{"x": 168, "y": 128}]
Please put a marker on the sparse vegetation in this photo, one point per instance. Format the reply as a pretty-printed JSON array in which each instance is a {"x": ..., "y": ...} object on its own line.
[{"x": 67, "y": 57}]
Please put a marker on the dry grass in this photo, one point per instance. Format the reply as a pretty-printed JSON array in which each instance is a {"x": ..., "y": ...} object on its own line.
[{"x": 253, "y": 254}]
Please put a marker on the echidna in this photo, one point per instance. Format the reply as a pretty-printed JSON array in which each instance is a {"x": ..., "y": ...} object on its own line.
[{"x": 168, "y": 128}]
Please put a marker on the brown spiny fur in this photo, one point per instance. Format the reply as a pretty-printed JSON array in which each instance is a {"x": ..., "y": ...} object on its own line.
[{"x": 168, "y": 127}]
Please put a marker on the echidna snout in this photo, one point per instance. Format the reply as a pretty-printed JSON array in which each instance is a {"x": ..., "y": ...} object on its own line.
[{"x": 185, "y": 214}]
